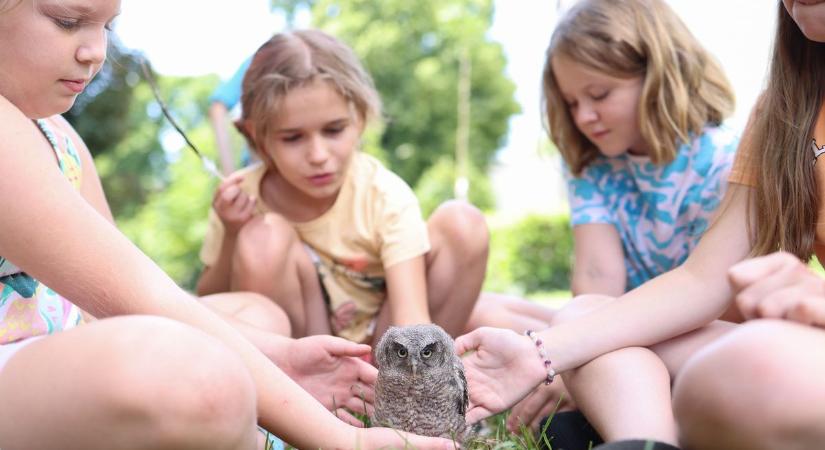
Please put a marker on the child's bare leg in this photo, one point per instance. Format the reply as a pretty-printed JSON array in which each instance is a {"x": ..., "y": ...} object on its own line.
[
  {"x": 625, "y": 394},
  {"x": 127, "y": 383},
  {"x": 758, "y": 387},
  {"x": 251, "y": 309},
  {"x": 456, "y": 263},
  {"x": 508, "y": 311},
  {"x": 271, "y": 260},
  {"x": 637, "y": 406}
]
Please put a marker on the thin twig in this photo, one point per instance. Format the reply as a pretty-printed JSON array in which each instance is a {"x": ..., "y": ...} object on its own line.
[{"x": 208, "y": 164}]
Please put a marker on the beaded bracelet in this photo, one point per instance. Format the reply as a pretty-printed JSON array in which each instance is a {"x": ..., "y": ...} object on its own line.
[{"x": 543, "y": 354}]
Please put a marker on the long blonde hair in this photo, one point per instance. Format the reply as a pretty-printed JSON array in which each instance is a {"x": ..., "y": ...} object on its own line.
[
  {"x": 785, "y": 200},
  {"x": 297, "y": 58},
  {"x": 684, "y": 87}
]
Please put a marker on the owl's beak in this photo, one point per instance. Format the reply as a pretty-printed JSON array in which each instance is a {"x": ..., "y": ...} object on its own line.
[{"x": 414, "y": 364}]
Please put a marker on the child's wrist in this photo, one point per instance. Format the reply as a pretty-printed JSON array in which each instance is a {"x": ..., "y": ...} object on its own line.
[{"x": 542, "y": 368}]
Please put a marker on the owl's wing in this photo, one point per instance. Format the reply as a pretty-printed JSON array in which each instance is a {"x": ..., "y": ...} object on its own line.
[{"x": 462, "y": 400}]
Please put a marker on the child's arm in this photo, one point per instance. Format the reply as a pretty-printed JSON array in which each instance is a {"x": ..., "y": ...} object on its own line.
[
  {"x": 234, "y": 208},
  {"x": 407, "y": 292},
  {"x": 506, "y": 365},
  {"x": 599, "y": 260},
  {"x": 682, "y": 300}
]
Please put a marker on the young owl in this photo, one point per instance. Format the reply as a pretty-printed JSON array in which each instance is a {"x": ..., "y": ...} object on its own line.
[{"x": 421, "y": 386}]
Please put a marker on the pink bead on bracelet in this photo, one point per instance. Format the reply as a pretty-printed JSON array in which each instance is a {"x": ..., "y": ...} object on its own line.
[{"x": 543, "y": 354}]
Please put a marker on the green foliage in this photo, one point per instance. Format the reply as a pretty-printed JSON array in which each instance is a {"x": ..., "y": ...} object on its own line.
[
  {"x": 171, "y": 225},
  {"x": 532, "y": 255},
  {"x": 411, "y": 50},
  {"x": 436, "y": 186}
]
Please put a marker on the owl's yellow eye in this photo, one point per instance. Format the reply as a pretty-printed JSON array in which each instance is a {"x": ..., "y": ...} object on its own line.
[
  {"x": 402, "y": 352},
  {"x": 426, "y": 353}
]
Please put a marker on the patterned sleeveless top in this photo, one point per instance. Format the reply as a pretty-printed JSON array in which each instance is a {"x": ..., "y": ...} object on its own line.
[{"x": 27, "y": 307}]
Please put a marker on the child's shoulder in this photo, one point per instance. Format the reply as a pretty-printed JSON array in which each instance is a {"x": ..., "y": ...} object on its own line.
[
  {"x": 15, "y": 123},
  {"x": 368, "y": 174},
  {"x": 12, "y": 119},
  {"x": 368, "y": 169}
]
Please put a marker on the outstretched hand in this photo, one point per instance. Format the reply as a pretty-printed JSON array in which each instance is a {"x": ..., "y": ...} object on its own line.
[
  {"x": 779, "y": 286},
  {"x": 330, "y": 368},
  {"x": 501, "y": 370}
]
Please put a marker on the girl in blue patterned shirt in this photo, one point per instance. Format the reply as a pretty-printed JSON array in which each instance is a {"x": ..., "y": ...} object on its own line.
[{"x": 635, "y": 106}]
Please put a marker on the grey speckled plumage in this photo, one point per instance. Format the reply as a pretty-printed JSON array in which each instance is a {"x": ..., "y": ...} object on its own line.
[{"x": 421, "y": 386}]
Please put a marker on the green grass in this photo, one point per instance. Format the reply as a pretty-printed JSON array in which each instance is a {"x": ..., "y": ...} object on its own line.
[{"x": 499, "y": 438}]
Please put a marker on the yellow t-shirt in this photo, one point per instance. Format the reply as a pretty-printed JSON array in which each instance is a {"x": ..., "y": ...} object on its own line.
[
  {"x": 374, "y": 223},
  {"x": 744, "y": 172}
]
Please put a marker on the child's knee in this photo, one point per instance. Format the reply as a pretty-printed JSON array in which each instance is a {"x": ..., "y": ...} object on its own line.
[
  {"x": 253, "y": 308},
  {"x": 459, "y": 222},
  {"x": 728, "y": 388},
  {"x": 264, "y": 242},
  {"x": 176, "y": 381}
]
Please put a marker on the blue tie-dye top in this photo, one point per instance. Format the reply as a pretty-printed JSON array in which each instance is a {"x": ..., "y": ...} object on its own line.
[{"x": 659, "y": 211}]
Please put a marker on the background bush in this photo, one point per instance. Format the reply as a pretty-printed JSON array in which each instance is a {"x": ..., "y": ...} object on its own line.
[{"x": 531, "y": 255}]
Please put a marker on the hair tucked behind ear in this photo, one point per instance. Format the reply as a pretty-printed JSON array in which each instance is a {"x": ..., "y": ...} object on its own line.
[
  {"x": 293, "y": 59},
  {"x": 684, "y": 87},
  {"x": 785, "y": 203}
]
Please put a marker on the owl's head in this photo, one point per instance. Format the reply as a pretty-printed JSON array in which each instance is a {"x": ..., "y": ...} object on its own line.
[{"x": 414, "y": 349}]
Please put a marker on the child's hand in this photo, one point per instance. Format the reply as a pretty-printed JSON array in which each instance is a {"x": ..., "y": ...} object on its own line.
[
  {"x": 779, "y": 286},
  {"x": 330, "y": 368},
  {"x": 498, "y": 370},
  {"x": 233, "y": 206}
]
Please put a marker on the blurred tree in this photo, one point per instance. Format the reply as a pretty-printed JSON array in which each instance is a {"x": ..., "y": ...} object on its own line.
[
  {"x": 436, "y": 185},
  {"x": 412, "y": 51}
]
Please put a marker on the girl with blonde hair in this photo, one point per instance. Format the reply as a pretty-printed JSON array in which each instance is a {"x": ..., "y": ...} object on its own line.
[
  {"x": 324, "y": 230},
  {"x": 759, "y": 385},
  {"x": 635, "y": 105}
]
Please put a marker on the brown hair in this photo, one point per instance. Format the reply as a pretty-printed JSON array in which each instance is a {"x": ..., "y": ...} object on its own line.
[
  {"x": 297, "y": 58},
  {"x": 785, "y": 201},
  {"x": 684, "y": 87}
]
